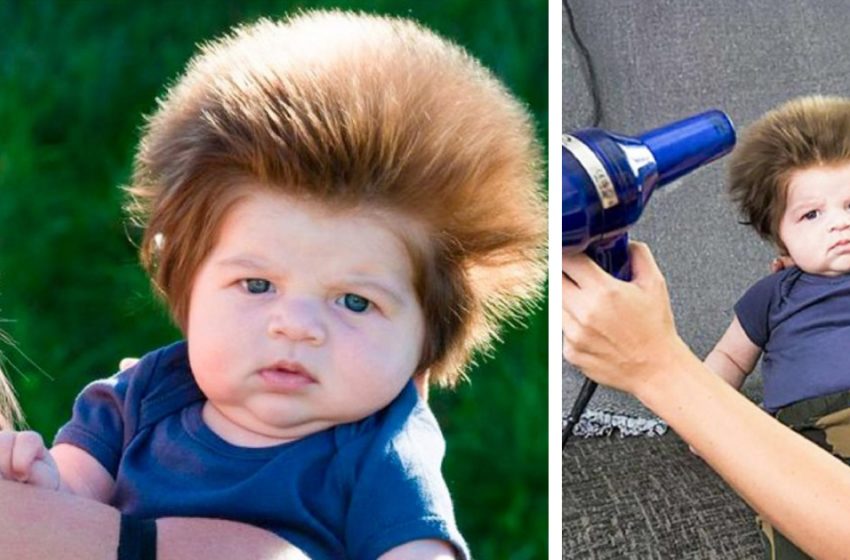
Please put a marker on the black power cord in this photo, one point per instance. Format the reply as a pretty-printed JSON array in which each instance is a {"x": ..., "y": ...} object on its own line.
[
  {"x": 588, "y": 387},
  {"x": 587, "y": 67}
]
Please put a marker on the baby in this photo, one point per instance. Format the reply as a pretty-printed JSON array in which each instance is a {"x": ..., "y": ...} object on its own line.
[
  {"x": 790, "y": 176},
  {"x": 337, "y": 209}
]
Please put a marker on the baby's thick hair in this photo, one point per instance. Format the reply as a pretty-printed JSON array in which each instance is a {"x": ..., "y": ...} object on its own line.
[
  {"x": 799, "y": 134},
  {"x": 354, "y": 111}
]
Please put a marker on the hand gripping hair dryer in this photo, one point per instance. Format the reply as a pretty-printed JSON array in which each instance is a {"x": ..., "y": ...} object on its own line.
[{"x": 607, "y": 182}]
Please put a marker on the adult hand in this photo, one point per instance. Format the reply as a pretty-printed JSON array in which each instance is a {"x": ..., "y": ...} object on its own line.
[{"x": 616, "y": 332}]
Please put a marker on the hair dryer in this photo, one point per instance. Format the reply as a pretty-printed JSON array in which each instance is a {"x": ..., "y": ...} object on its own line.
[{"x": 608, "y": 180}]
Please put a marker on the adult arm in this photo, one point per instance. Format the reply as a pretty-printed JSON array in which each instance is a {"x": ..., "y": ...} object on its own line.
[
  {"x": 38, "y": 523},
  {"x": 623, "y": 334},
  {"x": 422, "y": 549}
]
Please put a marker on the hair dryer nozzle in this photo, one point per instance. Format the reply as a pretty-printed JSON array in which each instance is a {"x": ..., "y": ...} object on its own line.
[{"x": 682, "y": 146}]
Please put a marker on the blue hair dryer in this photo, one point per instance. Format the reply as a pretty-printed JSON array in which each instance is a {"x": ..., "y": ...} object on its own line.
[{"x": 607, "y": 182}]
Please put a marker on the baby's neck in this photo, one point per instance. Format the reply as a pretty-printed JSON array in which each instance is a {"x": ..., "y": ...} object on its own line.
[
  {"x": 240, "y": 435},
  {"x": 820, "y": 275}
]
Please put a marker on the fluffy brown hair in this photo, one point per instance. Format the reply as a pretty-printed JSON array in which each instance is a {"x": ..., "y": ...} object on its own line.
[
  {"x": 353, "y": 111},
  {"x": 799, "y": 134}
]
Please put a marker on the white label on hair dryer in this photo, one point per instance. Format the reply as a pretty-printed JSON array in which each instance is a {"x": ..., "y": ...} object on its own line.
[{"x": 595, "y": 169}]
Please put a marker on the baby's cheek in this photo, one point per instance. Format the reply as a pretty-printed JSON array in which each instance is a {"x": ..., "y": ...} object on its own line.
[
  {"x": 209, "y": 358},
  {"x": 374, "y": 364},
  {"x": 397, "y": 368}
]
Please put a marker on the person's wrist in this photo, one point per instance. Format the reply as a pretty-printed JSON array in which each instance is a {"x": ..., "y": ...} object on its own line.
[{"x": 655, "y": 374}]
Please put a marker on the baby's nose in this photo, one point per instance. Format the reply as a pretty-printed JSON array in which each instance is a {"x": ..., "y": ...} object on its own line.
[
  {"x": 298, "y": 321},
  {"x": 841, "y": 223}
]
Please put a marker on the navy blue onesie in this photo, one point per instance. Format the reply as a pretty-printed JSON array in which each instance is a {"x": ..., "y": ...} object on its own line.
[{"x": 353, "y": 491}]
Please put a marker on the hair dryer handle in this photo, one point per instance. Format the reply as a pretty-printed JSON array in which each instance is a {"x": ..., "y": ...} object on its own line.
[{"x": 613, "y": 256}]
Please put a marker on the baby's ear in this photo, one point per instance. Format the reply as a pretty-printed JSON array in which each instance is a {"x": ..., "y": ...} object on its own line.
[{"x": 781, "y": 262}]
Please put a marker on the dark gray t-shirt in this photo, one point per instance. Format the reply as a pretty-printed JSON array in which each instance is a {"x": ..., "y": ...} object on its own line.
[
  {"x": 801, "y": 322},
  {"x": 352, "y": 491}
]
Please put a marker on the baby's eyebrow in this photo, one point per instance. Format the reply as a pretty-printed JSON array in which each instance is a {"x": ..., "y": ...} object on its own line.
[
  {"x": 386, "y": 289},
  {"x": 242, "y": 262},
  {"x": 804, "y": 204}
]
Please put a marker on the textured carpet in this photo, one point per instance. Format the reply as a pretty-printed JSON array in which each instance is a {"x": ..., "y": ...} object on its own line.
[
  {"x": 609, "y": 412},
  {"x": 650, "y": 498}
]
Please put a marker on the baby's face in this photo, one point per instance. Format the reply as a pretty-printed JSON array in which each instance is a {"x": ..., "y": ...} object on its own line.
[
  {"x": 301, "y": 318},
  {"x": 815, "y": 227}
]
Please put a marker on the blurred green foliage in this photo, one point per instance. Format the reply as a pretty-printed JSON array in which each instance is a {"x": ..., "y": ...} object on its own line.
[{"x": 76, "y": 79}]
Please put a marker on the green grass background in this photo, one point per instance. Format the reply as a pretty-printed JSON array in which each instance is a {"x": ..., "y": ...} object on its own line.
[{"x": 76, "y": 79}]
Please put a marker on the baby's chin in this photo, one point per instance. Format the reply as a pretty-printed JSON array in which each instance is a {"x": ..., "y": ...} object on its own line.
[
  {"x": 273, "y": 423},
  {"x": 829, "y": 272},
  {"x": 836, "y": 273},
  {"x": 837, "y": 265},
  {"x": 260, "y": 425}
]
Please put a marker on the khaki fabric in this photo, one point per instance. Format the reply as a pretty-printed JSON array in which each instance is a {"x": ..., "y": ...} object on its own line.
[{"x": 826, "y": 422}]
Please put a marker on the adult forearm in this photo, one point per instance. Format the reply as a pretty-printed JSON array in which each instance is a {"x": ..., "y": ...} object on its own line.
[
  {"x": 799, "y": 488},
  {"x": 37, "y": 523},
  {"x": 215, "y": 539}
]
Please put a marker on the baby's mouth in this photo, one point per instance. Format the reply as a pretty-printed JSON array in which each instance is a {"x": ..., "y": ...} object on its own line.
[
  {"x": 842, "y": 245},
  {"x": 286, "y": 376}
]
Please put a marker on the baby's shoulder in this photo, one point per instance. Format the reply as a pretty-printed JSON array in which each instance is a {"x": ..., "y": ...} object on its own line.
[
  {"x": 407, "y": 418},
  {"x": 786, "y": 276},
  {"x": 772, "y": 287},
  {"x": 161, "y": 383},
  {"x": 158, "y": 371}
]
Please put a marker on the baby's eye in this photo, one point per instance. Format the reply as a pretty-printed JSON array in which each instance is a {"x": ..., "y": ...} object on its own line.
[
  {"x": 257, "y": 285},
  {"x": 355, "y": 303},
  {"x": 810, "y": 215}
]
